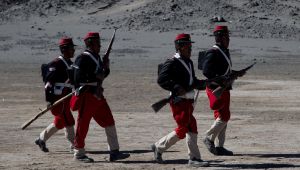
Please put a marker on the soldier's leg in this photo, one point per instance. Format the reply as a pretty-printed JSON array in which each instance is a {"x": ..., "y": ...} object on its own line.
[
  {"x": 58, "y": 123},
  {"x": 70, "y": 135},
  {"x": 191, "y": 139},
  {"x": 48, "y": 132},
  {"x": 83, "y": 122},
  {"x": 181, "y": 112},
  {"x": 215, "y": 129},
  {"x": 104, "y": 118},
  {"x": 221, "y": 137},
  {"x": 44, "y": 136},
  {"x": 112, "y": 138},
  {"x": 225, "y": 116},
  {"x": 211, "y": 135},
  {"x": 193, "y": 149},
  {"x": 69, "y": 124},
  {"x": 220, "y": 150},
  {"x": 221, "y": 114},
  {"x": 166, "y": 142}
]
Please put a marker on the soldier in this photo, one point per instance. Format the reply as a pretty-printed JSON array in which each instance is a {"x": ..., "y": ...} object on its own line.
[
  {"x": 177, "y": 76},
  {"x": 217, "y": 63},
  {"x": 90, "y": 72},
  {"x": 57, "y": 85}
]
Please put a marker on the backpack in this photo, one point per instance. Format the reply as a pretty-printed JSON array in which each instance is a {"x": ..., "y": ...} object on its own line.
[
  {"x": 201, "y": 58},
  {"x": 159, "y": 67},
  {"x": 44, "y": 72}
]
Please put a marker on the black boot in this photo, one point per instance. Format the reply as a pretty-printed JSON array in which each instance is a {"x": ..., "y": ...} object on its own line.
[
  {"x": 41, "y": 144},
  {"x": 117, "y": 155},
  {"x": 210, "y": 146},
  {"x": 84, "y": 159},
  {"x": 157, "y": 155},
  {"x": 223, "y": 152},
  {"x": 198, "y": 163}
]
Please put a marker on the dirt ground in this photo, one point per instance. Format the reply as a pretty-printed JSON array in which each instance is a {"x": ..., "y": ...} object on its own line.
[{"x": 263, "y": 131}]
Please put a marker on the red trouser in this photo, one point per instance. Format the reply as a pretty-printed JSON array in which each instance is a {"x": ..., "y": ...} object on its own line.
[
  {"x": 220, "y": 106},
  {"x": 90, "y": 107},
  {"x": 183, "y": 115},
  {"x": 62, "y": 115}
]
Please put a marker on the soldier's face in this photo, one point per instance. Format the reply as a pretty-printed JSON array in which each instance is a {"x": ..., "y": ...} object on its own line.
[
  {"x": 96, "y": 45},
  {"x": 69, "y": 52},
  {"x": 226, "y": 41},
  {"x": 186, "y": 50}
]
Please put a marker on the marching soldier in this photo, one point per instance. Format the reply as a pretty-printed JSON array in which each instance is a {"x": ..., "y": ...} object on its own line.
[
  {"x": 177, "y": 76},
  {"x": 57, "y": 85},
  {"x": 217, "y": 63},
  {"x": 90, "y": 71}
]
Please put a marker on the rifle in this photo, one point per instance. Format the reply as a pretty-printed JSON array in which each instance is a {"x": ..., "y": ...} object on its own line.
[
  {"x": 105, "y": 59},
  {"x": 27, "y": 123},
  {"x": 230, "y": 79},
  {"x": 161, "y": 103},
  {"x": 106, "y": 55}
]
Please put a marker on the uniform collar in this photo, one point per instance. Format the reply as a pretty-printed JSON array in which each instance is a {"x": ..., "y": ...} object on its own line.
[
  {"x": 94, "y": 54},
  {"x": 177, "y": 55},
  {"x": 221, "y": 47}
]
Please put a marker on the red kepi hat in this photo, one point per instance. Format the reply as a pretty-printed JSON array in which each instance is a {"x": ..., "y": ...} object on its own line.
[
  {"x": 91, "y": 35},
  {"x": 183, "y": 38},
  {"x": 66, "y": 41},
  {"x": 221, "y": 30}
]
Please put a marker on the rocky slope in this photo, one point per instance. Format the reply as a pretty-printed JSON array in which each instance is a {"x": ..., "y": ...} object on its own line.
[{"x": 246, "y": 18}]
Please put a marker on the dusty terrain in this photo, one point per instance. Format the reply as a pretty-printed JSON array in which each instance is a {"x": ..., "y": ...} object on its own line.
[{"x": 264, "y": 129}]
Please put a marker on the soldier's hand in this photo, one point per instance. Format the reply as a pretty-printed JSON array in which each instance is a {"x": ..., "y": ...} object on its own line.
[
  {"x": 106, "y": 64},
  {"x": 201, "y": 85},
  {"x": 49, "y": 104},
  {"x": 100, "y": 76},
  {"x": 180, "y": 91}
]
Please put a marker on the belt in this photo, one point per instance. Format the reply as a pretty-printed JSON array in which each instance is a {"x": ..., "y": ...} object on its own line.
[
  {"x": 188, "y": 95},
  {"x": 63, "y": 85},
  {"x": 88, "y": 84}
]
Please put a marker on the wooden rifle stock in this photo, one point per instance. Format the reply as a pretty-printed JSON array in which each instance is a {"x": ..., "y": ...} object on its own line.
[
  {"x": 27, "y": 123},
  {"x": 160, "y": 104}
]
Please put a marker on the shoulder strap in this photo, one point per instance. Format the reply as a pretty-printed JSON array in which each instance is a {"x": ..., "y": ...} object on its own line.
[
  {"x": 227, "y": 59},
  {"x": 94, "y": 59},
  {"x": 67, "y": 65},
  {"x": 188, "y": 68}
]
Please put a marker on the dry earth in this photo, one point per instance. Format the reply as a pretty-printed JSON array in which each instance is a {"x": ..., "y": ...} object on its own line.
[{"x": 264, "y": 129}]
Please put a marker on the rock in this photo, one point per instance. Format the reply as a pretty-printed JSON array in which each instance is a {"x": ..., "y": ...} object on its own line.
[
  {"x": 217, "y": 19},
  {"x": 174, "y": 7}
]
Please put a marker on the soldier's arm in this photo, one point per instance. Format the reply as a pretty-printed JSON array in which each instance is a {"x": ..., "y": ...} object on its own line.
[{"x": 106, "y": 71}]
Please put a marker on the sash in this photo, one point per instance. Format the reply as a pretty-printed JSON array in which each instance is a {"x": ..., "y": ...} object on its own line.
[{"x": 229, "y": 68}]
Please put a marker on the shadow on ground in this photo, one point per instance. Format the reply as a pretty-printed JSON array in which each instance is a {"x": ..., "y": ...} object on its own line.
[
  {"x": 283, "y": 155},
  {"x": 125, "y": 151},
  {"x": 255, "y": 166}
]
